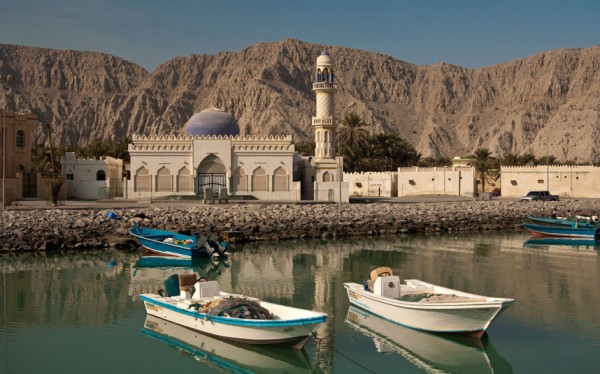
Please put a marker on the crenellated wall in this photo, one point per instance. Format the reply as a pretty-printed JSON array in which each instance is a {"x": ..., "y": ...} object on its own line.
[
  {"x": 567, "y": 181},
  {"x": 383, "y": 184},
  {"x": 453, "y": 180}
]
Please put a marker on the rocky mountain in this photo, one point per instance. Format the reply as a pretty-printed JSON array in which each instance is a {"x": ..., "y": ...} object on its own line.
[{"x": 547, "y": 104}]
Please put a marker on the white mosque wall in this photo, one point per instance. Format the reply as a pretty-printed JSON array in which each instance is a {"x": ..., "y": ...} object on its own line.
[
  {"x": 331, "y": 191},
  {"x": 567, "y": 181},
  {"x": 453, "y": 181},
  {"x": 383, "y": 184}
]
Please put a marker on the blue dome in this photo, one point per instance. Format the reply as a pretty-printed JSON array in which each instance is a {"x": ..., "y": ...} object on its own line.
[{"x": 212, "y": 122}]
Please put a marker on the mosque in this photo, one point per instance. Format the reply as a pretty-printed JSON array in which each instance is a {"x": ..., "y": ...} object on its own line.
[{"x": 213, "y": 159}]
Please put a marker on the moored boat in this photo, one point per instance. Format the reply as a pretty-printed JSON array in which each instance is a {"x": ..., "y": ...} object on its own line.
[
  {"x": 168, "y": 243},
  {"x": 573, "y": 222},
  {"x": 425, "y": 306},
  {"x": 542, "y": 230},
  {"x": 200, "y": 305}
]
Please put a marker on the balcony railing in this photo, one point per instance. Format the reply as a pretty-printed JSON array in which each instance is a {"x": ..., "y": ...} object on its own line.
[{"x": 324, "y": 85}]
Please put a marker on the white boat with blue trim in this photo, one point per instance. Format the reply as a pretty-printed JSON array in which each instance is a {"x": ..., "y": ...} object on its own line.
[
  {"x": 425, "y": 306},
  {"x": 200, "y": 305}
]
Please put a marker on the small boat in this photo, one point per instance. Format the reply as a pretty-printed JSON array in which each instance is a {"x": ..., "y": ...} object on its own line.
[
  {"x": 201, "y": 306},
  {"x": 230, "y": 357},
  {"x": 425, "y": 306},
  {"x": 431, "y": 353},
  {"x": 564, "y": 231},
  {"x": 560, "y": 222},
  {"x": 169, "y": 243}
]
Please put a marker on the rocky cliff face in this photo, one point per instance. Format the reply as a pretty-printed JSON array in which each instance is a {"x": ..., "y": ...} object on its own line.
[{"x": 547, "y": 104}]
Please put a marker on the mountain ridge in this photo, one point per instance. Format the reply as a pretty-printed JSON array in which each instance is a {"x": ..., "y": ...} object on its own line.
[{"x": 546, "y": 104}]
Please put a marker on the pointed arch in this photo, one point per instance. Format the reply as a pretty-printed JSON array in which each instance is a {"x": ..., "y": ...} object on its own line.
[
  {"x": 212, "y": 174},
  {"x": 328, "y": 177},
  {"x": 239, "y": 180},
  {"x": 164, "y": 180},
  {"x": 280, "y": 180},
  {"x": 184, "y": 180},
  {"x": 260, "y": 181},
  {"x": 141, "y": 180}
]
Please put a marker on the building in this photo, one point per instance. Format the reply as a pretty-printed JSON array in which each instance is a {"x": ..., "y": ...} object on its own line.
[
  {"x": 15, "y": 165},
  {"x": 92, "y": 179},
  {"x": 211, "y": 158},
  {"x": 567, "y": 181}
]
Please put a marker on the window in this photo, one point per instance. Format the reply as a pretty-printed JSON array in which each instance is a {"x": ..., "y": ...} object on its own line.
[
  {"x": 70, "y": 177},
  {"x": 100, "y": 175},
  {"x": 20, "y": 139}
]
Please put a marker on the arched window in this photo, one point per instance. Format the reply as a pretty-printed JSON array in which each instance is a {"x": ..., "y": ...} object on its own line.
[
  {"x": 239, "y": 181},
  {"x": 259, "y": 180},
  {"x": 100, "y": 175},
  {"x": 328, "y": 177},
  {"x": 20, "y": 139},
  {"x": 164, "y": 180},
  {"x": 280, "y": 180},
  {"x": 142, "y": 180}
]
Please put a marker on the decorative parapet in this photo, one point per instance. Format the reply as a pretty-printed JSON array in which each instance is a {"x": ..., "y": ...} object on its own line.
[
  {"x": 372, "y": 173},
  {"x": 545, "y": 168}
]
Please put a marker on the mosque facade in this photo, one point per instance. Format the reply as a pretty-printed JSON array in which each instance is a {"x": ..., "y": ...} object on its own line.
[{"x": 213, "y": 159}]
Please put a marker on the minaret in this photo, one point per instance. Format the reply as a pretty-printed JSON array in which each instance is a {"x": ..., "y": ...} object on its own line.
[{"x": 324, "y": 121}]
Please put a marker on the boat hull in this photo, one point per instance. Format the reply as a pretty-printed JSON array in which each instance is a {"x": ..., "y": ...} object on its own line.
[
  {"x": 469, "y": 318},
  {"x": 166, "y": 243},
  {"x": 292, "y": 332},
  {"x": 560, "y": 231}
]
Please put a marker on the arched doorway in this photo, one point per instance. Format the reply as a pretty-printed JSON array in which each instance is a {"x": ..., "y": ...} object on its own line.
[{"x": 211, "y": 174}]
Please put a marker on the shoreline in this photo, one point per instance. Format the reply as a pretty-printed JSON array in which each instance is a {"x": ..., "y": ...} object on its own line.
[{"x": 26, "y": 229}]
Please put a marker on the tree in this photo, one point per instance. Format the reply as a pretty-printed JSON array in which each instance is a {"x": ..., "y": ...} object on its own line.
[
  {"x": 305, "y": 148},
  {"x": 483, "y": 163},
  {"x": 352, "y": 133},
  {"x": 434, "y": 161},
  {"x": 511, "y": 159},
  {"x": 96, "y": 149}
]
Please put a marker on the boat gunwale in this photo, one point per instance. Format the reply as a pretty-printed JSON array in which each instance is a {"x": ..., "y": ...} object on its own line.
[
  {"x": 319, "y": 318},
  {"x": 497, "y": 302}
]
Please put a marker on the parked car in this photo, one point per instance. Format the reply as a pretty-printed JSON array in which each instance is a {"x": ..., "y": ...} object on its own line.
[
  {"x": 540, "y": 196},
  {"x": 496, "y": 192}
]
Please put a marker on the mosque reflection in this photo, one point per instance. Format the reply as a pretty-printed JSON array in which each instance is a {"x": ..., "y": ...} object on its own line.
[{"x": 432, "y": 353}]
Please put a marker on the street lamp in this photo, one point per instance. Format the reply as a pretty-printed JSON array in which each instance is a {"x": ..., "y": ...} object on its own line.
[{"x": 8, "y": 80}]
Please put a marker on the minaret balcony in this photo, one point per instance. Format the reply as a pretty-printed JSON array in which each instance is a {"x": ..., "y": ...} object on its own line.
[
  {"x": 324, "y": 86},
  {"x": 320, "y": 121}
]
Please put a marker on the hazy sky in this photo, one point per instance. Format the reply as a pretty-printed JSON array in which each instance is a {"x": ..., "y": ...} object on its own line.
[{"x": 150, "y": 32}]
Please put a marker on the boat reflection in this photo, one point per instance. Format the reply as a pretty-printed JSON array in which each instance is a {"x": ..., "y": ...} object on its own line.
[
  {"x": 227, "y": 356},
  {"x": 149, "y": 272},
  {"x": 429, "y": 352},
  {"x": 564, "y": 243}
]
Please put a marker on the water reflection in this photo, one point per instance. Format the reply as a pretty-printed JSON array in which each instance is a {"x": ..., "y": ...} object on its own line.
[
  {"x": 149, "y": 272},
  {"x": 558, "y": 244},
  {"x": 429, "y": 352},
  {"x": 237, "y": 358}
]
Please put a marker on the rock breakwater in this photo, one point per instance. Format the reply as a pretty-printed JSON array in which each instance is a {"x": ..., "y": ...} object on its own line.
[{"x": 64, "y": 229}]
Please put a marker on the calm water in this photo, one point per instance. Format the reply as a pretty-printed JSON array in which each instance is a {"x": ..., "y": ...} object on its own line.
[{"x": 79, "y": 312}]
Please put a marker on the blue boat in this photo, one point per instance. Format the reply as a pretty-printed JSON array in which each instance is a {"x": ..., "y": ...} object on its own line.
[
  {"x": 563, "y": 231},
  {"x": 167, "y": 243},
  {"x": 574, "y": 222}
]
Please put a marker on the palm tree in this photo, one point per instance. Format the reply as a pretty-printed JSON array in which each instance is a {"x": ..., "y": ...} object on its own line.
[
  {"x": 119, "y": 149},
  {"x": 511, "y": 159},
  {"x": 352, "y": 133},
  {"x": 96, "y": 149},
  {"x": 483, "y": 163}
]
